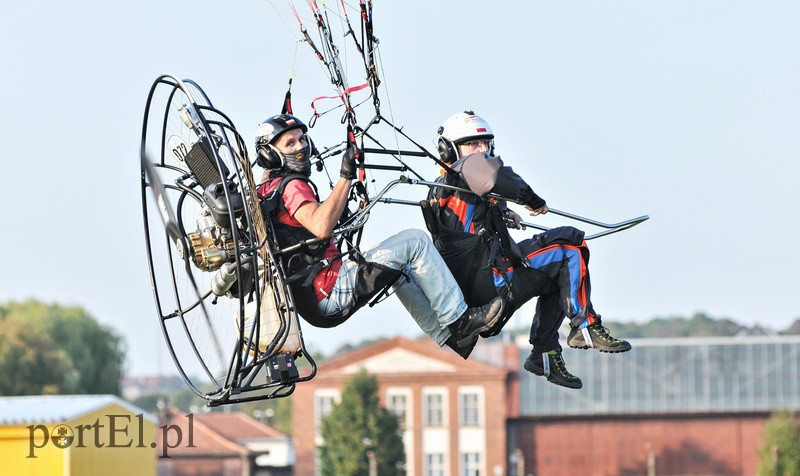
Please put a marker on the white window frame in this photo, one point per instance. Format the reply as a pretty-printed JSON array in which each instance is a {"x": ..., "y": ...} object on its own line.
[
  {"x": 427, "y": 470},
  {"x": 441, "y": 392},
  {"x": 479, "y": 409},
  {"x": 470, "y": 468},
  {"x": 320, "y": 394},
  {"x": 406, "y": 419}
]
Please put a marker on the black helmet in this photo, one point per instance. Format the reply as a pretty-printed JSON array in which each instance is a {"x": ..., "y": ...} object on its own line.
[
  {"x": 273, "y": 127},
  {"x": 269, "y": 157}
]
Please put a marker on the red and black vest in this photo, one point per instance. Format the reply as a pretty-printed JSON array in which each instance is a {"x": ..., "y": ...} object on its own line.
[{"x": 303, "y": 264}]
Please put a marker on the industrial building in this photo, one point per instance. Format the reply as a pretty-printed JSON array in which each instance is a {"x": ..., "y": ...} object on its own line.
[{"x": 669, "y": 406}]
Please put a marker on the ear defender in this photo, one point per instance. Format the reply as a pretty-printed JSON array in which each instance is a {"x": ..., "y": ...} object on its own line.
[
  {"x": 268, "y": 157},
  {"x": 446, "y": 151},
  {"x": 314, "y": 152}
]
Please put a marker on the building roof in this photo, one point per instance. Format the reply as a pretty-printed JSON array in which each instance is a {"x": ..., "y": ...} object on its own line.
[
  {"x": 237, "y": 426},
  {"x": 58, "y": 408},
  {"x": 213, "y": 434},
  {"x": 204, "y": 440},
  {"x": 403, "y": 356}
]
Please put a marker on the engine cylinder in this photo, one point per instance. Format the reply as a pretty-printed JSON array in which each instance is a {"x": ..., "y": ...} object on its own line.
[
  {"x": 211, "y": 245},
  {"x": 224, "y": 279}
]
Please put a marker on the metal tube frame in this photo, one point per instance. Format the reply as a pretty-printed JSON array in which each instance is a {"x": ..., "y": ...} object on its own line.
[
  {"x": 237, "y": 385},
  {"x": 359, "y": 219}
]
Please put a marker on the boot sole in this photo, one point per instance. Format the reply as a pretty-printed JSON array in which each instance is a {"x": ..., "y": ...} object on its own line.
[
  {"x": 496, "y": 328},
  {"x": 606, "y": 350},
  {"x": 476, "y": 333},
  {"x": 560, "y": 383},
  {"x": 565, "y": 385}
]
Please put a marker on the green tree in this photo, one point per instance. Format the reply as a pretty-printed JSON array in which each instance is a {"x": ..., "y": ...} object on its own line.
[
  {"x": 95, "y": 353},
  {"x": 30, "y": 363},
  {"x": 699, "y": 325},
  {"x": 793, "y": 329},
  {"x": 149, "y": 401},
  {"x": 780, "y": 450},
  {"x": 359, "y": 424}
]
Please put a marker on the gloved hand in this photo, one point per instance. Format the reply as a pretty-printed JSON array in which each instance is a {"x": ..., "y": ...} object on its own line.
[{"x": 348, "y": 170}]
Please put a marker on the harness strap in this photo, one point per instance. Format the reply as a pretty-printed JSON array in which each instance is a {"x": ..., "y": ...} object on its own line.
[
  {"x": 308, "y": 270},
  {"x": 510, "y": 247},
  {"x": 288, "y": 178}
]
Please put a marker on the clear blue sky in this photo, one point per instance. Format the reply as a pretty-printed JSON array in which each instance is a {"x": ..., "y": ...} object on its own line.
[{"x": 688, "y": 111}]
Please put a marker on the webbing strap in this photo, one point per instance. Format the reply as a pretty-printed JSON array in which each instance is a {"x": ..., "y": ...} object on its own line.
[
  {"x": 510, "y": 247},
  {"x": 587, "y": 337},
  {"x": 311, "y": 269},
  {"x": 287, "y": 100},
  {"x": 340, "y": 97}
]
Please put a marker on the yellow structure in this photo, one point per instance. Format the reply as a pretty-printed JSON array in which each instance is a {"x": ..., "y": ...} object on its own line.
[{"x": 76, "y": 435}]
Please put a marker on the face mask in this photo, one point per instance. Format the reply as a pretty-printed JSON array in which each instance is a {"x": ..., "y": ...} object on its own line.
[{"x": 299, "y": 161}]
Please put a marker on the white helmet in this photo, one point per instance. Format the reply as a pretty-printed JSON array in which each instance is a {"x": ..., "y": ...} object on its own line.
[{"x": 458, "y": 128}]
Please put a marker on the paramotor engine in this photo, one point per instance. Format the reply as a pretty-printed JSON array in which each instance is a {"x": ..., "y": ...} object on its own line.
[{"x": 225, "y": 309}]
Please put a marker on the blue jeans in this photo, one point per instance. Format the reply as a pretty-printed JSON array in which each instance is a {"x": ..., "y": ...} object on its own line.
[{"x": 431, "y": 296}]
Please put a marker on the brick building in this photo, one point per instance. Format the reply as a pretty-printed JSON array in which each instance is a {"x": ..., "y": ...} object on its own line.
[{"x": 453, "y": 411}]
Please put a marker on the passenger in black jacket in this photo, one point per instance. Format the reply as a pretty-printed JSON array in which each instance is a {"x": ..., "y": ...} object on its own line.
[{"x": 470, "y": 231}]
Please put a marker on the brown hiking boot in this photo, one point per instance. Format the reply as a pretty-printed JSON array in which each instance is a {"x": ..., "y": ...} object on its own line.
[{"x": 596, "y": 336}]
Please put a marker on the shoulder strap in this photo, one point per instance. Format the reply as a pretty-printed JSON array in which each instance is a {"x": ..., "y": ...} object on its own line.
[
  {"x": 285, "y": 181},
  {"x": 494, "y": 222},
  {"x": 288, "y": 178},
  {"x": 274, "y": 201}
]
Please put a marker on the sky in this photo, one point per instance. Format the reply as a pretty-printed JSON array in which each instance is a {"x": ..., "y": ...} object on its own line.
[{"x": 687, "y": 111}]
